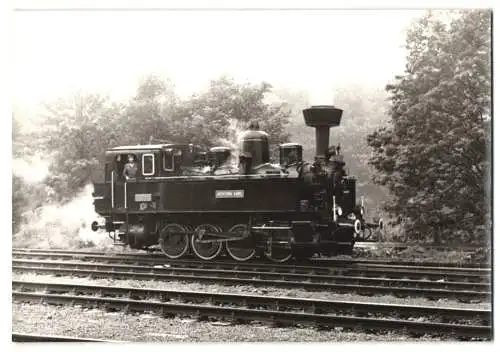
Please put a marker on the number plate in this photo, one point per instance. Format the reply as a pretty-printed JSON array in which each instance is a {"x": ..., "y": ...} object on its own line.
[{"x": 143, "y": 197}]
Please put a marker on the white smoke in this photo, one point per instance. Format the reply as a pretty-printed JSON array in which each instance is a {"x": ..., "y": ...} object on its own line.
[
  {"x": 31, "y": 170},
  {"x": 64, "y": 226},
  {"x": 54, "y": 225},
  {"x": 322, "y": 94},
  {"x": 236, "y": 130}
]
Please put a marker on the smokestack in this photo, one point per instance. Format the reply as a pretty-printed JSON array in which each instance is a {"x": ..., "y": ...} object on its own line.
[{"x": 322, "y": 117}]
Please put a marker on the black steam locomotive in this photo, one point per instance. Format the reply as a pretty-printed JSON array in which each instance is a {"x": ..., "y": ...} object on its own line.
[{"x": 188, "y": 199}]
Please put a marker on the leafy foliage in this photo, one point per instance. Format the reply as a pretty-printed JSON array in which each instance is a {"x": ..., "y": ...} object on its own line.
[
  {"x": 77, "y": 130},
  {"x": 433, "y": 155},
  {"x": 207, "y": 114},
  {"x": 19, "y": 196},
  {"x": 19, "y": 202},
  {"x": 364, "y": 111}
]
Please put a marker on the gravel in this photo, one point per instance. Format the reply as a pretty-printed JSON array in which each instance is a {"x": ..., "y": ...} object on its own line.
[
  {"x": 246, "y": 289},
  {"x": 98, "y": 324},
  {"x": 422, "y": 254}
]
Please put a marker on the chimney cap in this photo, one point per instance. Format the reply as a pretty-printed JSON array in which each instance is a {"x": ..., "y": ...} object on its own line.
[{"x": 322, "y": 115}]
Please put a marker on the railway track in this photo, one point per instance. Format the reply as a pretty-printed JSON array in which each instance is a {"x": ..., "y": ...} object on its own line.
[
  {"x": 313, "y": 261},
  {"x": 463, "y": 291},
  {"x": 351, "y": 269},
  {"x": 468, "y": 323},
  {"x": 18, "y": 337}
]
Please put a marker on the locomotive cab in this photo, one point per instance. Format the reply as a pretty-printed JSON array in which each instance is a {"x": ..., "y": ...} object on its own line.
[{"x": 146, "y": 159}]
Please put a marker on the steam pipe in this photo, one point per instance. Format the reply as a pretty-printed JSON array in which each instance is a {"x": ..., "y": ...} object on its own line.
[{"x": 334, "y": 209}]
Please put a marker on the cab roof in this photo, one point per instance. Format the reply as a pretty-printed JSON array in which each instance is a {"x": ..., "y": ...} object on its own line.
[
  {"x": 140, "y": 147},
  {"x": 145, "y": 148}
]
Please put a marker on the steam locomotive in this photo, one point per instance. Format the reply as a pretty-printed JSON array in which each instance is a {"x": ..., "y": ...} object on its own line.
[{"x": 189, "y": 200}]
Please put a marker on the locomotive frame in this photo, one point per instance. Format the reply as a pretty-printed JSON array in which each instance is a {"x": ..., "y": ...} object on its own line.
[{"x": 187, "y": 199}]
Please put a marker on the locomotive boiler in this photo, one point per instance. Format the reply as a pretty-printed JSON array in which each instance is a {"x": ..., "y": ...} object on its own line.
[{"x": 207, "y": 202}]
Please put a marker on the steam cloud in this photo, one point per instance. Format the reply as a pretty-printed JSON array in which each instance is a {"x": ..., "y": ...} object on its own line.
[
  {"x": 31, "y": 170},
  {"x": 65, "y": 226},
  {"x": 236, "y": 130}
]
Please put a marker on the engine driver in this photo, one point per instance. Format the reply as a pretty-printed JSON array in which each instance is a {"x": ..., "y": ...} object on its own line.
[{"x": 130, "y": 169}]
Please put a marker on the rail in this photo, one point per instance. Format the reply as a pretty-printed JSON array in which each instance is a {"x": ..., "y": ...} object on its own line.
[
  {"x": 362, "y": 285},
  {"x": 245, "y": 308},
  {"x": 327, "y": 261},
  {"x": 20, "y": 337},
  {"x": 388, "y": 270}
]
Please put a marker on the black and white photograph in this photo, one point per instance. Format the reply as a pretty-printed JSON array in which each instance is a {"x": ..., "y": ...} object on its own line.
[{"x": 259, "y": 174}]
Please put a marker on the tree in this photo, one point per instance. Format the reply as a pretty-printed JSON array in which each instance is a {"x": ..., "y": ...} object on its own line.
[
  {"x": 148, "y": 114},
  {"x": 433, "y": 155},
  {"x": 364, "y": 110},
  {"x": 19, "y": 196},
  {"x": 210, "y": 117},
  {"x": 76, "y": 132},
  {"x": 18, "y": 142},
  {"x": 78, "y": 129}
]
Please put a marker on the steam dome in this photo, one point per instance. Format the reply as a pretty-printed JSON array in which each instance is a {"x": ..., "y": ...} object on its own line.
[{"x": 255, "y": 143}]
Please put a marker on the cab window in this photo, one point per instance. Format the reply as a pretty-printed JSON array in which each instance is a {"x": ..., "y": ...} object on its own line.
[
  {"x": 107, "y": 172},
  {"x": 120, "y": 161},
  {"x": 148, "y": 164},
  {"x": 168, "y": 160}
]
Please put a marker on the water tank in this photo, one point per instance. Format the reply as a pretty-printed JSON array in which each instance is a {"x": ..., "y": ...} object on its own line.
[{"x": 255, "y": 143}]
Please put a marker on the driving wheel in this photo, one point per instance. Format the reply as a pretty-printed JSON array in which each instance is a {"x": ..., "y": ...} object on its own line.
[
  {"x": 174, "y": 241},
  {"x": 241, "y": 250},
  {"x": 206, "y": 250}
]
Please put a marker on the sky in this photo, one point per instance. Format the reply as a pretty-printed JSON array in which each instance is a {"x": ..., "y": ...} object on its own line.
[{"x": 58, "y": 52}]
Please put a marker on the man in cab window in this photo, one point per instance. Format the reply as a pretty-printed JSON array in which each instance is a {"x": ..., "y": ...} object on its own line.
[{"x": 130, "y": 169}]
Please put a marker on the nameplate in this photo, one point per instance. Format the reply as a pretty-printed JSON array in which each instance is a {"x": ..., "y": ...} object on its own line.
[{"x": 240, "y": 193}]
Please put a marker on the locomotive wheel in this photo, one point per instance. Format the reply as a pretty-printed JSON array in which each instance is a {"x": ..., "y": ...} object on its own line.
[
  {"x": 174, "y": 241},
  {"x": 205, "y": 251},
  {"x": 277, "y": 254},
  {"x": 241, "y": 250}
]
